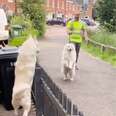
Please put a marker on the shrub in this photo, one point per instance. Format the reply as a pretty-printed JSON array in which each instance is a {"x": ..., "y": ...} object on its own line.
[
  {"x": 27, "y": 30},
  {"x": 106, "y": 11},
  {"x": 20, "y": 20},
  {"x": 35, "y": 12},
  {"x": 17, "y": 41},
  {"x": 105, "y": 37}
]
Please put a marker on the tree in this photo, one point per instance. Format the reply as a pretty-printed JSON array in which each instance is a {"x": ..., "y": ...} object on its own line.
[
  {"x": 34, "y": 10},
  {"x": 106, "y": 11}
]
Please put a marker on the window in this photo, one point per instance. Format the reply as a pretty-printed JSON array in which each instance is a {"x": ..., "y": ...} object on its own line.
[{"x": 10, "y": 0}]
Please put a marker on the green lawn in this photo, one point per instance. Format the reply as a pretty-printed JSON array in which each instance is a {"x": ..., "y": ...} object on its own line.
[
  {"x": 104, "y": 37},
  {"x": 106, "y": 56},
  {"x": 17, "y": 41}
]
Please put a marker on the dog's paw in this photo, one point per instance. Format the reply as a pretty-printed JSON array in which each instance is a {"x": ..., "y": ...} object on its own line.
[
  {"x": 16, "y": 113},
  {"x": 71, "y": 79},
  {"x": 64, "y": 79}
]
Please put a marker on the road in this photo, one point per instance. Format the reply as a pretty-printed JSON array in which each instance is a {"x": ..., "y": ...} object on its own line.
[{"x": 94, "y": 86}]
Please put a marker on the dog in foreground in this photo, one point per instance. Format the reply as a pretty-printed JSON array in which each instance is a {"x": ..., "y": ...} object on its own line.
[
  {"x": 68, "y": 61},
  {"x": 24, "y": 73}
]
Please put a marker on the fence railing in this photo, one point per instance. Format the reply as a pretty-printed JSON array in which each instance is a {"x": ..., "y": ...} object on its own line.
[
  {"x": 103, "y": 47},
  {"x": 49, "y": 98}
]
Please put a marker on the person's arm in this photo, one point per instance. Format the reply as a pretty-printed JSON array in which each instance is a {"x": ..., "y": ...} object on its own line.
[
  {"x": 68, "y": 26},
  {"x": 69, "y": 31},
  {"x": 85, "y": 35},
  {"x": 84, "y": 32}
]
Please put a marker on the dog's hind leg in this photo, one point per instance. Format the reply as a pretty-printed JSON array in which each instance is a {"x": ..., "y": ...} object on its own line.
[
  {"x": 65, "y": 74},
  {"x": 15, "y": 106},
  {"x": 27, "y": 108},
  {"x": 71, "y": 75},
  {"x": 26, "y": 111},
  {"x": 16, "y": 111}
]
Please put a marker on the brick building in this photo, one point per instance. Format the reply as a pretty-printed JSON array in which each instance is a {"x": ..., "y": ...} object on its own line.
[
  {"x": 90, "y": 8},
  {"x": 8, "y": 6},
  {"x": 54, "y": 8},
  {"x": 61, "y": 8},
  {"x": 87, "y": 9}
]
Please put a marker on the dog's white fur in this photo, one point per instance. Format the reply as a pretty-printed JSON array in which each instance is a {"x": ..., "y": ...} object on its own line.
[
  {"x": 68, "y": 61},
  {"x": 24, "y": 72}
]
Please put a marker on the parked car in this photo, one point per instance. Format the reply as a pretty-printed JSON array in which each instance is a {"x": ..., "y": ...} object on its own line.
[
  {"x": 88, "y": 21},
  {"x": 4, "y": 32},
  {"x": 57, "y": 21}
]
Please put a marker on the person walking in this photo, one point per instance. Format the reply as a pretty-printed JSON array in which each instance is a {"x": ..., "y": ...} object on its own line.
[{"x": 76, "y": 31}]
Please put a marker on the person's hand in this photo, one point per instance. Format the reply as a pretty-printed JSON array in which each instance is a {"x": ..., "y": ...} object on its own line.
[
  {"x": 70, "y": 32},
  {"x": 86, "y": 40}
]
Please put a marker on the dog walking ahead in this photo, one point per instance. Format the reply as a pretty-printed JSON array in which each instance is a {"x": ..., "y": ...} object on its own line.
[{"x": 68, "y": 61}]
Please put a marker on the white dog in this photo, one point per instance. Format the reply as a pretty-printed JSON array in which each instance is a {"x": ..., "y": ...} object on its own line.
[
  {"x": 24, "y": 72},
  {"x": 68, "y": 61}
]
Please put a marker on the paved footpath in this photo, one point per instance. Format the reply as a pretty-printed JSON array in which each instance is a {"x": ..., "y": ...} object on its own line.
[
  {"x": 94, "y": 88},
  {"x": 3, "y": 112}
]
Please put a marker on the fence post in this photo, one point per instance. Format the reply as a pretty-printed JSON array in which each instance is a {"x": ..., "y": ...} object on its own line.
[
  {"x": 50, "y": 100},
  {"x": 75, "y": 110},
  {"x": 102, "y": 48}
]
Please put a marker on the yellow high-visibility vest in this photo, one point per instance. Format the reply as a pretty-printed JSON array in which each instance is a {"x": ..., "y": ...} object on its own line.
[{"x": 76, "y": 27}]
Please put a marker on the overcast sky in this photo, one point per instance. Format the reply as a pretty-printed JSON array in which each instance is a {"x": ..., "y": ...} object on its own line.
[{"x": 85, "y": 1}]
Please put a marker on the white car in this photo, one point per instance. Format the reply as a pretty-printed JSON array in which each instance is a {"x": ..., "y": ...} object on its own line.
[{"x": 4, "y": 32}]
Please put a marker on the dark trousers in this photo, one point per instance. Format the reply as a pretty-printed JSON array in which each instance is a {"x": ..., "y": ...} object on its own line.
[
  {"x": 3, "y": 42},
  {"x": 77, "y": 48}
]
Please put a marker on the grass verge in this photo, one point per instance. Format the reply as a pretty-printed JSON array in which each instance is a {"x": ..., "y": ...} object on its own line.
[
  {"x": 106, "y": 56},
  {"x": 104, "y": 37},
  {"x": 19, "y": 40}
]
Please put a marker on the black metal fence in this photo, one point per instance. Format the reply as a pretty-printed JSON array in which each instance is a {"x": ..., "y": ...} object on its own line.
[
  {"x": 49, "y": 99},
  {"x": 102, "y": 47}
]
